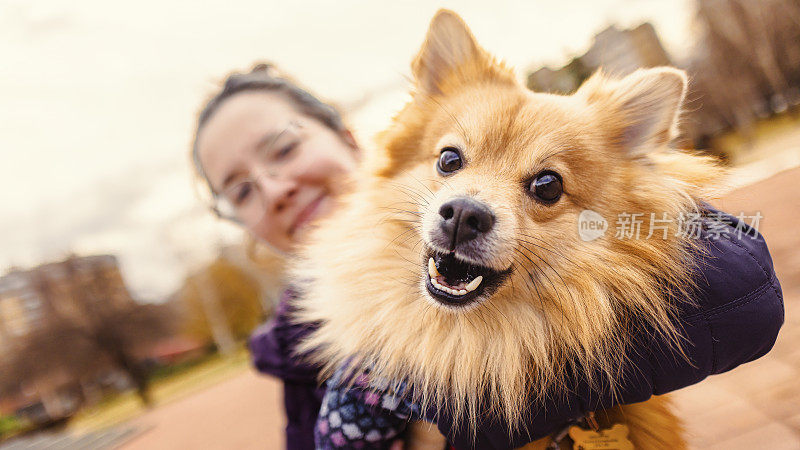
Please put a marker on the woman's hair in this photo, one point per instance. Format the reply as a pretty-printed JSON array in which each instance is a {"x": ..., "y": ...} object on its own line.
[{"x": 265, "y": 77}]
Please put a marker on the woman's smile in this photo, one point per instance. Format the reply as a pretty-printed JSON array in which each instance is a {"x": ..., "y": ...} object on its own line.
[{"x": 313, "y": 209}]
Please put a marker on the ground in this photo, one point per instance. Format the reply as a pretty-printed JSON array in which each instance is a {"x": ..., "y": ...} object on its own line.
[{"x": 244, "y": 412}]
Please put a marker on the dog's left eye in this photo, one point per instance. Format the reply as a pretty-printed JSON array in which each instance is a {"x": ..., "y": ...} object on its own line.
[
  {"x": 449, "y": 160},
  {"x": 546, "y": 187}
]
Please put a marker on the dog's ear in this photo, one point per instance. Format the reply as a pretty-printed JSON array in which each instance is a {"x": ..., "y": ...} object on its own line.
[
  {"x": 642, "y": 109},
  {"x": 449, "y": 47}
]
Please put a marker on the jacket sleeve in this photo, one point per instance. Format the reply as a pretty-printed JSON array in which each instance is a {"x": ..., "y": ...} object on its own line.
[
  {"x": 737, "y": 312},
  {"x": 272, "y": 346}
]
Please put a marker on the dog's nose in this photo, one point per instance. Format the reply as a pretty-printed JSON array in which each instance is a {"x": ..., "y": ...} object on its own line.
[{"x": 464, "y": 219}]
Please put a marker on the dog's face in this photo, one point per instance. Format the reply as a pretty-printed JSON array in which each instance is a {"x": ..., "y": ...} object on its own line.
[
  {"x": 507, "y": 172},
  {"x": 457, "y": 264}
]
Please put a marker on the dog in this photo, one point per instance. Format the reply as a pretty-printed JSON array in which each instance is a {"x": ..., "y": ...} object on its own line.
[{"x": 455, "y": 263}]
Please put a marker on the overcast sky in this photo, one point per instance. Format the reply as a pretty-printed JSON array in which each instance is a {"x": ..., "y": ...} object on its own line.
[{"x": 98, "y": 101}]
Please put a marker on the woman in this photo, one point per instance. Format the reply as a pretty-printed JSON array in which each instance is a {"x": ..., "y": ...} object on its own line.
[{"x": 275, "y": 158}]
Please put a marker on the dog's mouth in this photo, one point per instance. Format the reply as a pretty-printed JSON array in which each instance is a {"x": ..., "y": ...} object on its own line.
[{"x": 456, "y": 283}]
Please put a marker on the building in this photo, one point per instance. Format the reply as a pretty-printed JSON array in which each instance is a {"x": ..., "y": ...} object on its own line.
[
  {"x": 44, "y": 298},
  {"x": 618, "y": 52},
  {"x": 30, "y": 298}
]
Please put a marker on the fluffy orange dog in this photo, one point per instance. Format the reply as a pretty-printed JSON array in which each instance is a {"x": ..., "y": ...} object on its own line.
[{"x": 455, "y": 263}]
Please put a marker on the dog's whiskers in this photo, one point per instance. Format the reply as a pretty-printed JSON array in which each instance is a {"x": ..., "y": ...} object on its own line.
[
  {"x": 569, "y": 291},
  {"x": 422, "y": 184},
  {"x": 409, "y": 202},
  {"x": 557, "y": 305},
  {"x": 528, "y": 282},
  {"x": 411, "y": 193},
  {"x": 581, "y": 250},
  {"x": 401, "y": 243},
  {"x": 402, "y": 211}
]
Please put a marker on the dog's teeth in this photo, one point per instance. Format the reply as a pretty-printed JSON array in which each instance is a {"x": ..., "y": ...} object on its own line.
[
  {"x": 449, "y": 290},
  {"x": 474, "y": 284},
  {"x": 432, "y": 269}
]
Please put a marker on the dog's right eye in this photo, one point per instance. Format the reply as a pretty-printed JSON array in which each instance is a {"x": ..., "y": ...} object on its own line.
[
  {"x": 546, "y": 187},
  {"x": 449, "y": 160}
]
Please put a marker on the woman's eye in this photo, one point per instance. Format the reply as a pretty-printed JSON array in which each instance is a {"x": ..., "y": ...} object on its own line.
[
  {"x": 242, "y": 192},
  {"x": 286, "y": 150},
  {"x": 449, "y": 160},
  {"x": 546, "y": 187}
]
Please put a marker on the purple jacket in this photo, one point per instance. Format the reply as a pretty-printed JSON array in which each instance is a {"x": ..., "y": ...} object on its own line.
[
  {"x": 738, "y": 314},
  {"x": 271, "y": 347}
]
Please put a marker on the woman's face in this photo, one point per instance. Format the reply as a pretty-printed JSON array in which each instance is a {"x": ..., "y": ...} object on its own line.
[{"x": 277, "y": 167}]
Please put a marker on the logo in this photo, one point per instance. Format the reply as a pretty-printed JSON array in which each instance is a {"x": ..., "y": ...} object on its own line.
[{"x": 591, "y": 225}]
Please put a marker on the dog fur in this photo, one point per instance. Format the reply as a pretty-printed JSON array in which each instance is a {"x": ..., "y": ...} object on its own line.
[{"x": 565, "y": 301}]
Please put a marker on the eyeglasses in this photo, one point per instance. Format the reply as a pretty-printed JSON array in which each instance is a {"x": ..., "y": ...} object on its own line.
[{"x": 244, "y": 201}]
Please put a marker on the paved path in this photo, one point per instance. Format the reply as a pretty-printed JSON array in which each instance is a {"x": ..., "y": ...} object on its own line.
[
  {"x": 244, "y": 412},
  {"x": 65, "y": 440},
  {"x": 755, "y": 406}
]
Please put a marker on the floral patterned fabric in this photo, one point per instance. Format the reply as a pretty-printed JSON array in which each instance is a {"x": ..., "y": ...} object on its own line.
[{"x": 360, "y": 417}]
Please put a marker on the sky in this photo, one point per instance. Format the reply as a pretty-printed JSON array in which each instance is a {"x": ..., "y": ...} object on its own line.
[{"x": 98, "y": 102}]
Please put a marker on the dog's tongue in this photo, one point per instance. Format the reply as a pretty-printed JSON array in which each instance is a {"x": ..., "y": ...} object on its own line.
[{"x": 443, "y": 281}]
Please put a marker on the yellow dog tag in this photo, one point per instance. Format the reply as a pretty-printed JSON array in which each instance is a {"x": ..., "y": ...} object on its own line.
[{"x": 614, "y": 438}]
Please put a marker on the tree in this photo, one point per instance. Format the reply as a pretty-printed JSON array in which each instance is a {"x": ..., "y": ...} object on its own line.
[
  {"x": 745, "y": 64},
  {"x": 116, "y": 326},
  {"x": 221, "y": 292},
  {"x": 90, "y": 324}
]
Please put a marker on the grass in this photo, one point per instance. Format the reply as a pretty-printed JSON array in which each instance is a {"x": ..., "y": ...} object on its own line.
[
  {"x": 164, "y": 389},
  {"x": 761, "y": 141},
  {"x": 11, "y": 425}
]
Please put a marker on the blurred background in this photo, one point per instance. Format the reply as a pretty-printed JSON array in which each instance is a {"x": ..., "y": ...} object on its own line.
[{"x": 125, "y": 305}]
